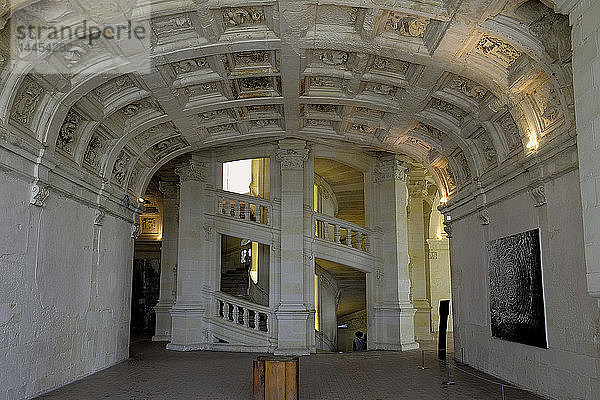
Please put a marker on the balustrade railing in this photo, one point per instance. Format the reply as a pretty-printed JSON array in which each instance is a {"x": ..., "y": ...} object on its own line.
[
  {"x": 342, "y": 232},
  {"x": 243, "y": 313},
  {"x": 244, "y": 207}
]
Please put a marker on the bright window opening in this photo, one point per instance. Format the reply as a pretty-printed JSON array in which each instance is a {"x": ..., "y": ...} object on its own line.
[{"x": 237, "y": 176}]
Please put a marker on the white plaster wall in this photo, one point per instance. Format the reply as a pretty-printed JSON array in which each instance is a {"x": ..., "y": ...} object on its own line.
[
  {"x": 64, "y": 308},
  {"x": 569, "y": 368}
]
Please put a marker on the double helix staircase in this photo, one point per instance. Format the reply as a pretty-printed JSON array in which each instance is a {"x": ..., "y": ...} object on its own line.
[{"x": 241, "y": 324}]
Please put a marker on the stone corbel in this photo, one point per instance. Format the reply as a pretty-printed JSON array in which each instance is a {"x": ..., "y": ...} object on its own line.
[
  {"x": 99, "y": 217},
  {"x": 448, "y": 229},
  {"x": 484, "y": 216},
  {"x": 39, "y": 194},
  {"x": 135, "y": 230},
  {"x": 538, "y": 194}
]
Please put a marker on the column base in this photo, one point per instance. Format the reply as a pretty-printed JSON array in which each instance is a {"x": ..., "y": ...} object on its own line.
[
  {"x": 394, "y": 328},
  {"x": 423, "y": 320},
  {"x": 189, "y": 331},
  {"x": 163, "y": 322},
  {"x": 292, "y": 329}
]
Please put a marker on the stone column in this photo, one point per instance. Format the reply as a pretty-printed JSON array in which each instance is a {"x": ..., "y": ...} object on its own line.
[
  {"x": 168, "y": 261},
  {"x": 394, "y": 312},
  {"x": 417, "y": 190},
  {"x": 292, "y": 312},
  {"x": 188, "y": 329}
]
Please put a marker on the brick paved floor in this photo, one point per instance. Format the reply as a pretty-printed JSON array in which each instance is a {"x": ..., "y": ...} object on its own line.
[{"x": 155, "y": 373}]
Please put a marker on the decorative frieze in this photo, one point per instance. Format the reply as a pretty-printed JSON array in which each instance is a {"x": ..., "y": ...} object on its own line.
[
  {"x": 365, "y": 129},
  {"x": 193, "y": 171}
]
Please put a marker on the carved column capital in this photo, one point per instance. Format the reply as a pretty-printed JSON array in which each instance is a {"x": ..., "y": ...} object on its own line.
[
  {"x": 169, "y": 190},
  {"x": 192, "y": 171},
  {"x": 292, "y": 158},
  {"x": 390, "y": 168}
]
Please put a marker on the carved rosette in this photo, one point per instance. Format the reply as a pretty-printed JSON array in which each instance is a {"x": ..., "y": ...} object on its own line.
[
  {"x": 390, "y": 169},
  {"x": 192, "y": 171},
  {"x": 292, "y": 158}
]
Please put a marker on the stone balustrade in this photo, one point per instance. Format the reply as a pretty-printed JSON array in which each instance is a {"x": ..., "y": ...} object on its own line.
[
  {"x": 342, "y": 232},
  {"x": 247, "y": 208},
  {"x": 241, "y": 312}
]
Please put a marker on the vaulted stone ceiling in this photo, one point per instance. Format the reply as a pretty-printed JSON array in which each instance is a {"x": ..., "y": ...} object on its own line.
[{"x": 473, "y": 90}]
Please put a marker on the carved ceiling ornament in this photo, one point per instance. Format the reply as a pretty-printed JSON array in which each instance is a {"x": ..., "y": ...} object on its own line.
[
  {"x": 511, "y": 131},
  {"x": 187, "y": 66},
  {"x": 66, "y": 134},
  {"x": 93, "y": 151},
  {"x": 193, "y": 171},
  {"x": 406, "y": 25},
  {"x": 498, "y": 49},
  {"x": 251, "y": 58},
  {"x": 390, "y": 168},
  {"x": 242, "y": 16},
  {"x": 362, "y": 128},
  {"x": 26, "y": 101},
  {"x": 420, "y": 143},
  {"x": 169, "y": 25},
  {"x": 468, "y": 87},
  {"x": 447, "y": 108},
  {"x": 461, "y": 160},
  {"x": 120, "y": 168},
  {"x": 257, "y": 83},
  {"x": 332, "y": 57},
  {"x": 389, "y": 64}
]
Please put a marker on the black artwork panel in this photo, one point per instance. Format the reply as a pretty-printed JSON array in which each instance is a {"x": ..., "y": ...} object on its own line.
[{"x": 516, "y": 289}]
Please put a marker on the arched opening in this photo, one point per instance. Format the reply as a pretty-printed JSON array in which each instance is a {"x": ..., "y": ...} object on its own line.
[{"x": 471, "y": 108}]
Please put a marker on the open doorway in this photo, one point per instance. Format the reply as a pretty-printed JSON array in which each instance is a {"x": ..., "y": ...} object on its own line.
[
  {"x": 340, "y": 305},
  {"x": 245, "y": 269}
]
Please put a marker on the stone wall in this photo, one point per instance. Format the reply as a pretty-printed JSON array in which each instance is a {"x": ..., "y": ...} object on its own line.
[
  {"x": 568, "y": 369},
  {"x": 64, "y": 293}
]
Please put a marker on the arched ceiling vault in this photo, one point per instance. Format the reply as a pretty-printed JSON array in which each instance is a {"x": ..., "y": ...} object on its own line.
[{"x": 471, "y": 90}]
